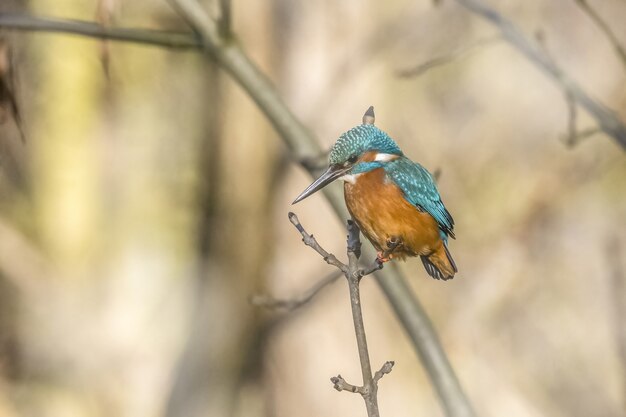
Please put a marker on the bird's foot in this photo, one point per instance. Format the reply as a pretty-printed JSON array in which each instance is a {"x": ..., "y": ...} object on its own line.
[
  {"x": 387, "y": 254},
  {"x": 383, "y": 257}
]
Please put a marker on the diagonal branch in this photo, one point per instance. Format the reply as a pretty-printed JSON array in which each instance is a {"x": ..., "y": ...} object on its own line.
[
  {"x": 310, "y": 241},
  {"x": 267, "y": 301},
  {"x": 447, "y": 58},
  {"x": 606, "y": 119}
]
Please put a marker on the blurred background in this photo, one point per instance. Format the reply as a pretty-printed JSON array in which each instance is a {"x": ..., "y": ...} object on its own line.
[{"x": 144, "y": 200}]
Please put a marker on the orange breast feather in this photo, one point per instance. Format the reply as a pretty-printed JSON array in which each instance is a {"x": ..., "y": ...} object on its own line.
[{"x": 382, "y": 213}]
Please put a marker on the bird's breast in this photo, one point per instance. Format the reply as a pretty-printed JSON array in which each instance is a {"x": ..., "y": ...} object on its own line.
[{"x": 382, "y": 212}]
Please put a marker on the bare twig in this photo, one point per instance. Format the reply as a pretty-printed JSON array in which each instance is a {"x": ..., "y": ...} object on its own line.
[
  {"x": 604, "y": 27},
  {"x": 340, "y": 384},
  {"x": 605, "y": 118},
  {"x": 447, "y": 58},
  {"x": 384, "y": 370},
  {"x": 294, "y": 303},
  {"x": 352, "y": 272},
  {"x": 267, "y": 301},
  {"x": 310, "y": 241},
  {"x": 177, "y": 40}
]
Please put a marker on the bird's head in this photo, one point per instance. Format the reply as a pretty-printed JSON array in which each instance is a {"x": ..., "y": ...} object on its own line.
[{"x": 359, "y": 150}]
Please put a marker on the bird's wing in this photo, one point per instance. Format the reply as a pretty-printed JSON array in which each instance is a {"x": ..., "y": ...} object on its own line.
[{"x": 420, "y": 190}]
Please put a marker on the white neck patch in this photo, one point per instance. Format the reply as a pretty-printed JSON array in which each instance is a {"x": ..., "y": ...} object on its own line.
[
  {"x": 351, "y": 178},
  {"x": 385, "y": 157}
]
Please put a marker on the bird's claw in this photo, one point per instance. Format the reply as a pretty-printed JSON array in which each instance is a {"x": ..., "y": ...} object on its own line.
[
  {"x": 387, "y": 255},
  {"x": 383, "y": 257}
]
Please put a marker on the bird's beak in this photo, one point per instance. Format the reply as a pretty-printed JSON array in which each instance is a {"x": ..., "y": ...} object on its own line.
[{"x": 331, "y": 174}]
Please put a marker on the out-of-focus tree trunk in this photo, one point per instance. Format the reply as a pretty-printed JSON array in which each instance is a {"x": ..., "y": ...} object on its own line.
[{"x": 217, "y": 375}]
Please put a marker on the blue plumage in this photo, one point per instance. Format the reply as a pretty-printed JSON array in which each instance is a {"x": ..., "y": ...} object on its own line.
[
  {"x": 359, "y": 140},
  {"x": 420, "y": 190}
]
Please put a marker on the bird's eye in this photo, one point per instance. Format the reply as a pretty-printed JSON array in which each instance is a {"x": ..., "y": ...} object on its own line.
[{"x": 353, "y": 159}]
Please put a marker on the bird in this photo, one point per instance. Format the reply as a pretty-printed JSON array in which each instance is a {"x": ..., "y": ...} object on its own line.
[{"x": 394, "y": 201}]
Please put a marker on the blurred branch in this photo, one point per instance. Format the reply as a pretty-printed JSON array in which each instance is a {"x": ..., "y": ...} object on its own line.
[
  {"x": 262, "y": 300},
  {"x": 573, "y": 136},
  {"x": 302, "y": 146},
  {"x": 105, "y": 10},
  {"x": 8, "y": 97},
  {"x": 447, "y": 58},
  {"x": 225, "y": 17},
  {"x": 618, "y": 291},
  {"x": 606, "y": 118},
  {"x": 150, "y": 37},
  {"x": 604, "y": 27},
  {"x": 352, "y": 272}
]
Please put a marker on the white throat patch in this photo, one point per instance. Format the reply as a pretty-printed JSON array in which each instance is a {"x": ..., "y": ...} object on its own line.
[
  {"x": 385, "y": 157},
  {"x": 351, "y": 178}
]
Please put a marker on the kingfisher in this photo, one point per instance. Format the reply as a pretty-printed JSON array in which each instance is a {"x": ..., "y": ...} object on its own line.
[{"x": 393, "y": 200}]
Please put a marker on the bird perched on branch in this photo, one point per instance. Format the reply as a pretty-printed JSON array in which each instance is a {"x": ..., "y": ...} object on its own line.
[{"x": 393, "y": 200}]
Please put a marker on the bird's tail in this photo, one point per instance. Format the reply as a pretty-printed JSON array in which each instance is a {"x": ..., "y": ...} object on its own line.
[{"x": 440, "y": 264}]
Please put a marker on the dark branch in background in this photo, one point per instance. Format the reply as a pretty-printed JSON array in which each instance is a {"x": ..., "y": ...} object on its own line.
[
  {"x": 573, "y": 136},
  {"x": 9, "y": 106},
  {"x": 605, "y": 118},
  {"x": 302, "y": 146},
  {"x": 447, "y": 58},
  {"x": 104, "y": 17},
  {"x": 175, "y": 40},
  {"x": 353, "y": 274},
  {"x": 225, "y": 17},
  {"x": 572, "y": 115},
  {"x": 604, "y": 27},
  {"x": 262, "y": 300}
]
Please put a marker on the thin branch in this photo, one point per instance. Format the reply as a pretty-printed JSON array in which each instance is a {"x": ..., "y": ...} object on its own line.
[
  {"x": 370, "y": 387},
  {"x": 606, "y": 119},
  {"x": 572, "y": 115},
  {"x": 262, "y": 300},
  {"x": 384, "y": 370},
  {"x": 340, "y": 384},
  {"x": 176, "y": 40},
  {"x": 573, "y": 136},
  {"x": 310, "y": 241},
  {"x": 604, "y": 27},
  {"x": 267, "y": 301},
  {"x": 450, "y": 57},
  {"x": 353, "y": 274}
]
